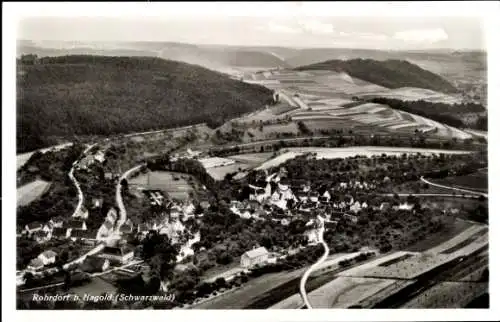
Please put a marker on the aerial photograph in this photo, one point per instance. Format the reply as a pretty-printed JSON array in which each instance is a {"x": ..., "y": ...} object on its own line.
[{"x": 278, "y": 162}]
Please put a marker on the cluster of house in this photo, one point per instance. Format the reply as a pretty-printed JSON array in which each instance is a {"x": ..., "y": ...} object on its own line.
[
  {"x": 171, "y": 223},
  {"x": 90, "y": 159},
  {"x": 189, "y": 154},
  {"x": 110, "y": 255},
  {"x": 275, "y": 196},
  {"x": 57, "y": 228}
]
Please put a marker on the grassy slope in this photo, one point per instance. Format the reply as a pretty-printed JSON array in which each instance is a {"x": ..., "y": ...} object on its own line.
[
  {"x": 388, "y": 73},
  {"x": 81, "y": 95}
]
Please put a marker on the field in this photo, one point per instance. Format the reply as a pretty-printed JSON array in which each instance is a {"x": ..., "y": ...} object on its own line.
[
  {"x": 251, "y": 158},
  {"x": 31, "y": 191},
  {"x": 249, "y": 292},
  {"x": 331, "y": 153},
  {"x": 327, "y": 95},
  {"x": 448, "y": 295},
  {"x": 466, "y": 234},
  {"x": 166, "y": 182},
  {"x": 477, "y": 181},
  {"x": 218, "y": 173}
]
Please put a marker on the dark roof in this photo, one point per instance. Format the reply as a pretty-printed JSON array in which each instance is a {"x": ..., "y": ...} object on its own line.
[
  {"x": 118, "y": 251},
  {"x": 34, "y": 225},
  {"x": 59, "y": 232},
  {"x": 93, "y": 264},
  {"x": 76, "y": 224},
  {"x": 82, "y": 234},
  {"x": 40, "y": 233}
]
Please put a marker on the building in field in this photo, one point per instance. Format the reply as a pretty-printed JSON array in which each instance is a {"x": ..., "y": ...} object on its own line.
[{"x": 254, "y": 257}]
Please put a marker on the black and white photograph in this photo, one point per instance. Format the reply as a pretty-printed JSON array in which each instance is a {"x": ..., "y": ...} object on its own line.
[{"x": 299, "y": 159}]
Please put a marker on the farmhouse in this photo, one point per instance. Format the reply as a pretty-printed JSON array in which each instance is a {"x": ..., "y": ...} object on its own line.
[
  {"x": 117, "y": 254},
  {"x": 254, "y": 257}
]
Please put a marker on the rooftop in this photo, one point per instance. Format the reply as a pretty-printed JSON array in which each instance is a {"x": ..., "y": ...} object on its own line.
[{"x": 257, "y": 252}]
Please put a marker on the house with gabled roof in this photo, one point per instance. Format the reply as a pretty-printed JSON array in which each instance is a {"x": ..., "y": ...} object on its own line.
[
  {"x": 32, "y": 227},
  {"x": 121, "y": 254},
  {"x": 254, "y": 257}
]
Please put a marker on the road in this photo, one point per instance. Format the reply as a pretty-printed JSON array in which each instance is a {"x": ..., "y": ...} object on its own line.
[
  {"x": 320, "y": 261},
  {"x": 77, "y": 185},
  {"x": 119, "y": 199},
  {"x": 453, "y": 188},
  {"x": 430, "y": 195}
]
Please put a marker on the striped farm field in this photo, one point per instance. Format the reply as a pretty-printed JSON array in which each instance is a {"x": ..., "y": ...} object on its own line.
[
  {"x": 343, "y": 292},
  {"x": 409, "y": 268},
  {"x": 464, "y": 235},
  {"x": 447, "y": 295}
]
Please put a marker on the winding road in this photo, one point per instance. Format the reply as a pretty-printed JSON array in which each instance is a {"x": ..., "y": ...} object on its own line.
[
  {"x": 119, "y": 198},
  {"x": 77, "y": 185},
  {"x": 313, "y": 267}
]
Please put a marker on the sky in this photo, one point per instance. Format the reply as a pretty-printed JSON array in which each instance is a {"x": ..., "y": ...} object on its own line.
[{"x": 288, "y": 24}]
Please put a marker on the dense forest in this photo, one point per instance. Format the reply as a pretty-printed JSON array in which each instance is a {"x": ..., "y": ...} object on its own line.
[
  {"x": 80, "y": 95},
  {"x": 441, "y": 112},
  {"x": 389, "y": 73}
]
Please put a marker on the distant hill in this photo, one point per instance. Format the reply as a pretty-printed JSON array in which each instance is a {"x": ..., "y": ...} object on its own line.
[
  {"x": 84, "y": 95},
  {"x": 388, "y": 73},
  {"x": 213, "y": 57}
]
